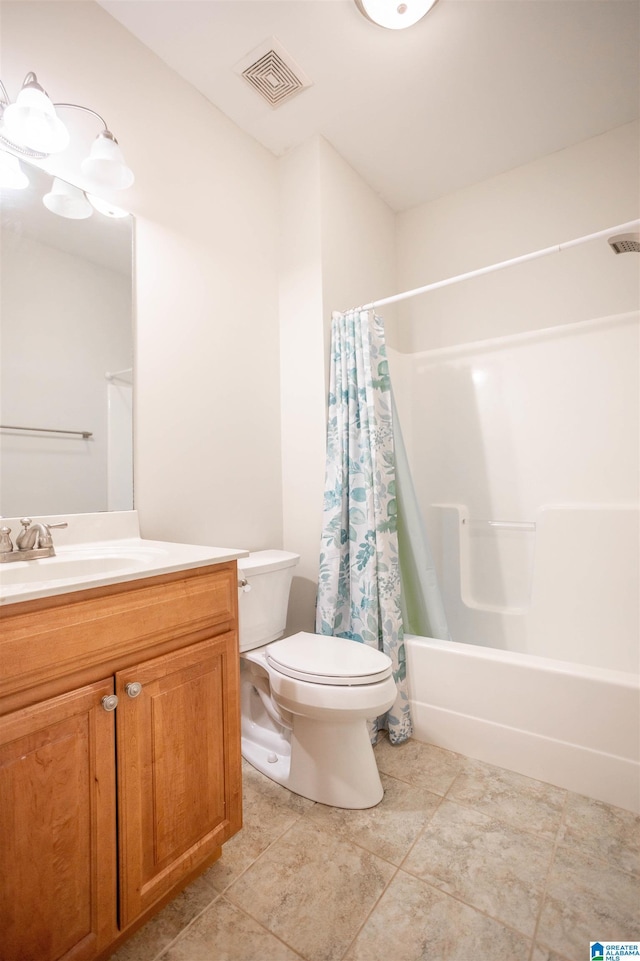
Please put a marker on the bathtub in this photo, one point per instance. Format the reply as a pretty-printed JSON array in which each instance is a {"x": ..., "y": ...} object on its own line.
[{"x": 569, "y": 724}]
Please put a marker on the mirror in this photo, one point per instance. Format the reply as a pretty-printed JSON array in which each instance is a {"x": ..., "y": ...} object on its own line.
[{"x": 66, "y": 357}]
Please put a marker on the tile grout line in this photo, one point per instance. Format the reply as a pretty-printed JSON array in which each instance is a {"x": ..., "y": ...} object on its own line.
[
  {"x": 458, "y": 898},
  {"x": 265, "y": 929},
  {"x": 325, "y": 828},
  {"x": 343, "y": 840},
  {"x": 397, "y": 867},
  {"x": 261, "y": 855},
  {"x": 183, "y": 930},
  {"x": 635, "y": 875},
  {"x": 545, "y": 887},
  {"x": 467, "y": 904},
  {"x": 322, "y": 830},
  {"x": 236, "y": 907},
  {"x": 221, "y": 894},
  {"x": 373, "y": 907},
  {"x": 449, "y": 894}
]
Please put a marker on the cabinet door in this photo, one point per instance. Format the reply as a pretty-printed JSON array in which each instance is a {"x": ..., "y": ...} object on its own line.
[
  {"x": 57, "y": 828},
  {"x": 179, "y": 776}
]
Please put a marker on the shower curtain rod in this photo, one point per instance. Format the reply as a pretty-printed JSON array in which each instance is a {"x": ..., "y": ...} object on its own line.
[{"x": 620, "y": 228}]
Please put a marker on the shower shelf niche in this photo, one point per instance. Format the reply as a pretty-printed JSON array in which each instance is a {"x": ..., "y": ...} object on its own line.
[{"x": 495, "y": 560}]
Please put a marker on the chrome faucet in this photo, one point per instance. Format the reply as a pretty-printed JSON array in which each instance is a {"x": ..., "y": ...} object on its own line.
[{"x": 33, "y": 541}]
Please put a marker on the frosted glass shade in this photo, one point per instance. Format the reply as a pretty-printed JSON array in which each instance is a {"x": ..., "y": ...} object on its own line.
[
  {"x": 68, "y": 201},
  {"x": 11, "y": 173},
  {"x": 32, "y": 122},
  {"x": 105, "y": 164},
  {"x": 395, "y": 14}
]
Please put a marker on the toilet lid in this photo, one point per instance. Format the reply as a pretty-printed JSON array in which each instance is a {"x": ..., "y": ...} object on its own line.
[{"x": 322, "y": 659}]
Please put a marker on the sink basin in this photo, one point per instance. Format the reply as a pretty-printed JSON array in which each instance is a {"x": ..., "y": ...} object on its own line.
[
  {"x": 97, "y": 563},
  {"x": 61, "y": 567}
]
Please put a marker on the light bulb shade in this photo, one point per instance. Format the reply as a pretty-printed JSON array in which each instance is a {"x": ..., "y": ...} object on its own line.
[
  {"x": 32, "y": 122},
  {"x": 11, "y": 173},
  {"x": 105, "y": 164},
  {"x": 68, "y": 201},
  {"x": 105, "y": 207},
  {"x": 395, "y": 14}
]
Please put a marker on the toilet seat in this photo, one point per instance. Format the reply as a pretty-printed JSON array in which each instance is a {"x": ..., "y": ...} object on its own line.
[{"x": 323, "y": 659}]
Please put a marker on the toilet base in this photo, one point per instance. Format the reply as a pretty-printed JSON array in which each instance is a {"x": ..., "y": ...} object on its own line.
[{"x": 330, "y": 762}]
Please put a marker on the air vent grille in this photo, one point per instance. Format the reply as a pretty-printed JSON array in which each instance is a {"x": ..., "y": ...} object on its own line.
[{"x": 273, "y": 73}]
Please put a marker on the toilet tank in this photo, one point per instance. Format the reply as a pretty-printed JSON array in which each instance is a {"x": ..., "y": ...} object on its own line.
[{"x": 263, "y": 608}]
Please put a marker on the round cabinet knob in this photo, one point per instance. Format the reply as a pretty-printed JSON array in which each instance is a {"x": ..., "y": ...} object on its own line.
[
  {"x": 110, "y": 702},
  {"x": 133, "y": 688},
  {"x": 244, "y": 585}
]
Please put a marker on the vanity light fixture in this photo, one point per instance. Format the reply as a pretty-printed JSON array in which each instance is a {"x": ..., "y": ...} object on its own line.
[
  {"x": 395, "y": 14},
  {"x": 67, "y": 201},
  {"x": 30, "y": 127}
]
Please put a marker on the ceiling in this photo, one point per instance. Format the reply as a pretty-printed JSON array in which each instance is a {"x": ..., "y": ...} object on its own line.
[{"x": 474, "y": 89}]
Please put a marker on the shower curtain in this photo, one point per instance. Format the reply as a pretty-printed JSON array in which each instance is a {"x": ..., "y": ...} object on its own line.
[
  {"x": 420, "y": 597},
  {"x": 359, "y": 583}
]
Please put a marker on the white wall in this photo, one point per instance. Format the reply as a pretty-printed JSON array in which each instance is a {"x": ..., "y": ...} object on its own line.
[
  {"x": 302, "y": 373},
  {"x": 65, "y": 322},
  {"x": 337, "y": 251},
  {"x": 207, "y": 430}
]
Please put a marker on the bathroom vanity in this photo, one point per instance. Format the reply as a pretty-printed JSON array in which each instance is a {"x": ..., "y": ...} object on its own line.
[{"x": 119, "y": 750}]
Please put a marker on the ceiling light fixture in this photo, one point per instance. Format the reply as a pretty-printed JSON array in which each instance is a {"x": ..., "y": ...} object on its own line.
[
  {"x": 395, "y": 14},
  {"x": 30, "y": 127}
]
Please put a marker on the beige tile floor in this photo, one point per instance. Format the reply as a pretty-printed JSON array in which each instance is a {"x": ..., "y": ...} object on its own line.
[{"x": 460, "y": 861}]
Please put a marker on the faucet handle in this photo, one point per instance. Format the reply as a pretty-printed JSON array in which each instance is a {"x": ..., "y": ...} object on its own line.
[
  {"x": 27, "y": 522},
  {"x": 46, "y": 539}
]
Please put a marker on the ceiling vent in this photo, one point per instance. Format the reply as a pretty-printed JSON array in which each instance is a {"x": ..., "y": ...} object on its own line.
[{"x": 272, "y": 73}]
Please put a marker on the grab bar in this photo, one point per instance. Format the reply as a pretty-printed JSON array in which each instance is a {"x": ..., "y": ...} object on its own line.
[
  {"x": 513, "y": 525},
  {"x": 503, "y": 525},
  {"x": 85, "y": 434},
  {"x": 126, "y": 375}
]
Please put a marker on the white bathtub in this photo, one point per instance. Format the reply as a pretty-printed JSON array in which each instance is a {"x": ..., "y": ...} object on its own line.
[{"x": 571, "y": 725}]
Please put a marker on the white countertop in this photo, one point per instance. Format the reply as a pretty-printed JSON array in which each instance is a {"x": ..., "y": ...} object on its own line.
[{"x": 82, "y": 562}]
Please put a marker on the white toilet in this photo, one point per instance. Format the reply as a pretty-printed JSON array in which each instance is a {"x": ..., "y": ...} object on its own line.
[{"x": 306, "y": 699}]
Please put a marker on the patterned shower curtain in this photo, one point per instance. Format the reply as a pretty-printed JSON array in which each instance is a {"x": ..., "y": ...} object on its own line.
[{"x": 359, "y": 584}]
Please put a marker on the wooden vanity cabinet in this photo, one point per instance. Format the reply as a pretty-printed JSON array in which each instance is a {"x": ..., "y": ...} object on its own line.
[
  {"x": 57, "y": 824},
  {"x": 172, "y": 771},
  {"x": 106, "y": 813}
]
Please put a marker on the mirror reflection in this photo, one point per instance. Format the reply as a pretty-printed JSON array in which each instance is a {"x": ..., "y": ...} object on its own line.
[{"x": 66, "y": 355}]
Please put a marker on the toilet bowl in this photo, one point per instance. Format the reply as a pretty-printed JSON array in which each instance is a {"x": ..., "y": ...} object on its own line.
[{"x": 305, "y": 700}]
